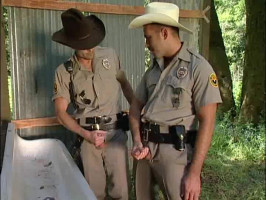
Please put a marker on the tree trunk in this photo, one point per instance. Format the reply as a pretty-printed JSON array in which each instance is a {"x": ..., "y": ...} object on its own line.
[
  {"x": 5, "y": 114},
  {"x": 253, "y": 90},
  {"x": 219, "y": 61}
]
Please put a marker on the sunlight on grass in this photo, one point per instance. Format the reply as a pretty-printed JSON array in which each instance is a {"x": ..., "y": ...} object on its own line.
[
  {"x": 235, "y": 165},
  {"x": 234, "y": 168}
]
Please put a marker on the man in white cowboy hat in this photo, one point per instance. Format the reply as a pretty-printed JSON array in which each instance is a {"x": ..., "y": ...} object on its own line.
[
  {"x": 178, "y": 96},
  {"x": 92, "y": 80}
]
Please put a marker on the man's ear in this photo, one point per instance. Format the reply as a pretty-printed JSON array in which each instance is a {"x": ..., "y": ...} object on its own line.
[{"x": 164, "y": 33}]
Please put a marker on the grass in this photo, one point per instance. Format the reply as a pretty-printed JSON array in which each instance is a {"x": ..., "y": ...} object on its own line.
[{"x": 235, "y": 165}]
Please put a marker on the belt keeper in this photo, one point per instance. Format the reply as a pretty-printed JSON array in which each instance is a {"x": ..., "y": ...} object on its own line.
[{"x": 146, "y": 133}]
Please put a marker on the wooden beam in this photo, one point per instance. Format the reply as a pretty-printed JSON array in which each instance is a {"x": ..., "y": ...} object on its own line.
[
  {"x": 64, "y": 5},
  {"x": 91, "y": 7},
  {"x": 205, "y": 32},
  {"x": 5, "y": 113},
  {"x": 37, "y": 122}
]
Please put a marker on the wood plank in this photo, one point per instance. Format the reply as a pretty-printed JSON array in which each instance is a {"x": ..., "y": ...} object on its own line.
[
  {"x": 37, "y": 122},
  {"x": 91, "y": 7},
  {"x": 5, "y": 113},
  {"x": 205, "y": 33},
  {"x": 64, "y": 5}
]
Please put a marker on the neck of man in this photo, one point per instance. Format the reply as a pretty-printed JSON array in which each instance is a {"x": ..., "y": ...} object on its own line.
[
  {"x": 173, "y": 50},
  {"x": 87, "y": 63}
]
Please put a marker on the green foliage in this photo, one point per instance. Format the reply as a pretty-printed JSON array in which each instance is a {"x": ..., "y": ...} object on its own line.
[
  {"x": 10, "y": 94},
  {"x": 146, "y": 2},
  {"x": 5, "y": 18},
  {"x": 232, "y": 21},
  {"x": 147, "y": 58},
  {"x": 239, "y": 141},
  {"x": 235, "y": 165},
  {"x": 234, "y": 168}
]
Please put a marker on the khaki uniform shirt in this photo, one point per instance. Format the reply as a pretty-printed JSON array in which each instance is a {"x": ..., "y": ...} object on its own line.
[
  {"x": 173, "y": 96},
  {"x": 99, "y": 86}
]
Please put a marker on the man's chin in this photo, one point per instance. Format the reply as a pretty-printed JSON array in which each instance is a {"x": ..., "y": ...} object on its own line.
[{"x": 157, "y": 56}]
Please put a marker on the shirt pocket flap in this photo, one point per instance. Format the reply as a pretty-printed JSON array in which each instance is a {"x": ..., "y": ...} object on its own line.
[{"x": 175, "y": 82}]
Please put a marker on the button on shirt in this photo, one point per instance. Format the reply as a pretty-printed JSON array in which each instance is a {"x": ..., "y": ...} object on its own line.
[
  {"x": 173, "y": 95},
  {"x": 99, "y": 87}
]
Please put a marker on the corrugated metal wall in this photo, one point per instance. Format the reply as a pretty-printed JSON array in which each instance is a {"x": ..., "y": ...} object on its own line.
[
  {"x": 34, "y": 57},
  {"x": 192, "y": 24}
]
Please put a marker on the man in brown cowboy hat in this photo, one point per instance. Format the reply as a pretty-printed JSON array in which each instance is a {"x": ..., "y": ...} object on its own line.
[
  {"x": 179, "y": 94},
  {"x": 91, "y": 80}
]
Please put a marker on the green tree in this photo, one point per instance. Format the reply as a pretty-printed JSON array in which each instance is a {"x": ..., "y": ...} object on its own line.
[
  {"x": 219, "y": 61},
  {"x": 232, "y": 22},
  {"x": 253, "y": 91}
]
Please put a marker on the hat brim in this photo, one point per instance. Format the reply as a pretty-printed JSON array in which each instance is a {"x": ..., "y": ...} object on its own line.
[
  {"x": 95, "y": 37},
  {"x": 145, "y": 19}
]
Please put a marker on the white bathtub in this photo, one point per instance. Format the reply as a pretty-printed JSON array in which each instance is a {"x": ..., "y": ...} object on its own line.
[{"x": 40, "y": 169}]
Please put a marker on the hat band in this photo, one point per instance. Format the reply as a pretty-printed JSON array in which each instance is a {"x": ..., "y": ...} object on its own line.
[{"x": 84, "y": 37}]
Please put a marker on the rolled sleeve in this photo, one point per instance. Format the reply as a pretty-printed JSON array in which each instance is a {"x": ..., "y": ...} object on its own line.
[
  {"x": 61, "y": 84},
  {"x": 141, "y": 93}
]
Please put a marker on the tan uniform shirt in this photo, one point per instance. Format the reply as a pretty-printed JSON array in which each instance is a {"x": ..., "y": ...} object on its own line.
[
  {"x": 100, "y": 86},
  {"x": 174, "y": 95}
]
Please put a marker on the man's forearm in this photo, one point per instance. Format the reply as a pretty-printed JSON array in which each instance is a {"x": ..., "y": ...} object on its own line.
[
  {"x": 201, "y": 149},
  {"x": 67, "y": 121},
  {"x": 204, "y": 138},
  {"x": 127, "y": 91},
  {"x": 134, "y": 119}
]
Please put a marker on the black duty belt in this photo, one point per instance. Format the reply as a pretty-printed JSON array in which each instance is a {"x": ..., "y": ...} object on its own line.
[
  {"x": 103, "y": 122},
  {"x": 104, "y": 127},
  {"x": 176, "y": 135}
]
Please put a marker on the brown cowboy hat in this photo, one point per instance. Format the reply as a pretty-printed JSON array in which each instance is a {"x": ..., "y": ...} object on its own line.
[{"x": 79, "y": 32}]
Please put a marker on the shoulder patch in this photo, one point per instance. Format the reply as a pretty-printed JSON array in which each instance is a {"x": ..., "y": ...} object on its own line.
[{"x": 213, "y": 80}]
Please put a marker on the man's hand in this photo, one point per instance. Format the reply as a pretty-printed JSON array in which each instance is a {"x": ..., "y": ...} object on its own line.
[
  {"x": 95, "y": 137},
  {"x": 140, "y": 152},
  {"x": 190, "y": 187}
]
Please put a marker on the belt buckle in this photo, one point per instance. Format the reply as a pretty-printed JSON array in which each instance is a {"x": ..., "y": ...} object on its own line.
[{"x": 95, "y": 127}]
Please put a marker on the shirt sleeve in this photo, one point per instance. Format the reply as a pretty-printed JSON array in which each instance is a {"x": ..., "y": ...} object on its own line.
[
  {"x": 141, "y": 91},
  {"x": 61, "y": 84},
  {"x": 116, "y": 60},
  {"x": 205, "y": 88}
]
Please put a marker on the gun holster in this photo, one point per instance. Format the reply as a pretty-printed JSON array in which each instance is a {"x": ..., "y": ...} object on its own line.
[
  {"x": 179, "y": 135},
  {"x": 123, "y": 121}
]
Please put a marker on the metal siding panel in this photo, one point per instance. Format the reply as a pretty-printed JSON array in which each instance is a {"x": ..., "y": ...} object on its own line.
[
  {"x": 34, "y": 58},
  {"x": 192, "y": 24}
]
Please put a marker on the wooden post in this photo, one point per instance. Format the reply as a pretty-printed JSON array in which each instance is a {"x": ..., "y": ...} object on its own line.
[
  {"x": 5, "y": 115},
  {"x": 204, "y": 43}
]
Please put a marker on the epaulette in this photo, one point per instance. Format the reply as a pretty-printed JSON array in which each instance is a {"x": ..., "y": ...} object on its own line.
[{"x": 195, "y": 53}]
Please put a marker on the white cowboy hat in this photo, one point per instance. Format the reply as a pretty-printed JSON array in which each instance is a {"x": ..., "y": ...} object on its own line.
[{"x": 161, "y": 13}]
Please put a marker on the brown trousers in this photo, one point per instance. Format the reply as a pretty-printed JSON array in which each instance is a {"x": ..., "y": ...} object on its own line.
[
  {"x": 167, "y": 169},
  {"x": 110, "y": 163}
]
